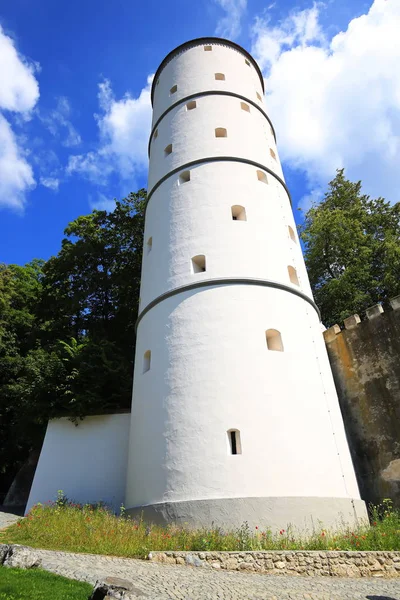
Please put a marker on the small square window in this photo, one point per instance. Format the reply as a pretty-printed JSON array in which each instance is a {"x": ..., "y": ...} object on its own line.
[
  {"x": 155, "y": 134},
  {"x": 191, "y": 105},
  {"x": 173, "y": 89},
  {"x": 207, "y": 48},
  {"x": 247, "y": 62},
  {"x": 272, "y": 153},
  {"x": 168, "y": 150},
  {"x": 219, "y": 76}
]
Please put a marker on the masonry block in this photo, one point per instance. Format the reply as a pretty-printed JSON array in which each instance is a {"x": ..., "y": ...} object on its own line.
[
  {"x": 352, "y": 322},
  {"x": 374, "y": 311},
  {"x": 331, "y": 333},
  {"x": 395, "y": 303}
]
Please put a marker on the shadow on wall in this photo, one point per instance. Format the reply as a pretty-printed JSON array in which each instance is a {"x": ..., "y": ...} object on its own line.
[{"x": 366, "y": 367}]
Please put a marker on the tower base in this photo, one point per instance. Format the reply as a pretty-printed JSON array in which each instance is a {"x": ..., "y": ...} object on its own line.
[{"x": 305, "y": 514}]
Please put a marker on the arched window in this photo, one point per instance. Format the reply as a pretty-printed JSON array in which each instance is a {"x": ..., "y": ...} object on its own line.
[
  {"x": 146, "y": 361},
  {"x": 291, "y": 234},
  {"x": 245, "y": 106},
  {"x": 238, "y": 213},
  {"x": 272, "y": 153},
  {"x": 274, "y": 340},
  {"x": 258, "y": 96},
  {"x": 235, "y": 444},
  {"x": 184, "y": 177},
  {"x": 293, "y": 275},
  {"x": 191, "y": 105},
  {"x": 207, "y": 48},
  {"x": 173, "y": 89},
  {"x": 168, "y": 150},
  {"x": 199, "y": 263},
  {"x": 261, "y": 176},
  {"x": 219, "y": 76},
  {"x": 149, "y": 244},
  {"x": 220, "y": 132}
]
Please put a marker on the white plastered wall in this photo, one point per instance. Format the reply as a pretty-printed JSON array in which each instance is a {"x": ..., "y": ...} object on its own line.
[{"x": 87, "y": 462}]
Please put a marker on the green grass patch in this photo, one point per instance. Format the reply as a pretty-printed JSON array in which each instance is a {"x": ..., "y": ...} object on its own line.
[
  {"x": 74, "y": 528},
  {"x": 18, "y": 584}
]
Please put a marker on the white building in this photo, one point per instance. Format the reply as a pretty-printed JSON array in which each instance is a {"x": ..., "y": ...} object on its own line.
[{"x": 235, "y": 415}]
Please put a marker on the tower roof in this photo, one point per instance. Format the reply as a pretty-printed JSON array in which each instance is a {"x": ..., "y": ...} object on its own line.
[{"x": 197, "y": 42}]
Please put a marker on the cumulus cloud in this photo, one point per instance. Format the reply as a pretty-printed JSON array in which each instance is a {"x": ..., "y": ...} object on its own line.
[
  {"x": 336, "y": 103},
  {"x": 58, "y": 123},
  {"x": 102, "y": 202},
  {"x": 229, "y": 26},
  {"x": 19, "y": 92},
  {"x": 124, "y": 128}
]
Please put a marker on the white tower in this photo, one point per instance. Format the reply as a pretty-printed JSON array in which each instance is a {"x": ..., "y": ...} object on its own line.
[{"x": 235, "y": 415}]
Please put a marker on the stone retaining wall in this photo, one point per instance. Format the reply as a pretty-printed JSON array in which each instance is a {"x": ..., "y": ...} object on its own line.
[{"x": 298, "y": 563}]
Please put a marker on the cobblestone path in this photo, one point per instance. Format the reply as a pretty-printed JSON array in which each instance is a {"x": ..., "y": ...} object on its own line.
[{"x": 168, "y": 582}]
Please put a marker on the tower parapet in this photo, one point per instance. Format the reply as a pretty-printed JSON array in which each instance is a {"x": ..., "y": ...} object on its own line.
[{"x": 234, "y": 414}]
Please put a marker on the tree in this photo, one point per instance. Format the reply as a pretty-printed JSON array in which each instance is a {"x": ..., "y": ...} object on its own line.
[
  {"x": 352, "y": 250},
  {"x": 67, "y": 329}
]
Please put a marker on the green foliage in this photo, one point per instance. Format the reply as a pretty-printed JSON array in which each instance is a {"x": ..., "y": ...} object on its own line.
[
  {"x": 352, "y": 250},
  {"x": 35, "y": 584},
  {"x": 67, "y": 329},
  {"x": 66, "y": 526}
]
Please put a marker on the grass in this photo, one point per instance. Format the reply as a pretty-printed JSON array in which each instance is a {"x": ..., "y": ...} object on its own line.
[
  {"x": 18, "y": 584},
  {"x": 74, "y": 528}
]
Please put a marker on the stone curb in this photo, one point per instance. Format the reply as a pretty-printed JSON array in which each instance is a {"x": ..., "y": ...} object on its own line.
[
  {"x": 16, "y": 556},
  {"x": 310, "y": 563}
]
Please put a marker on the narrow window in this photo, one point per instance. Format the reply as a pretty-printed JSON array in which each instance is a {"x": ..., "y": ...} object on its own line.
[
  {"x": 219, "y": 76},
  {"x": 245, "y": 106},
  {"x": 272, "y": 153},
  {"x": 221, "y": 132},
  {"x": 238, "y": 213},
  {"x": 173, "y": 89},
  {"x": 199, "y": 263},
  {"x": 155, "y": 135},
  {"x": 293, "y": 275},
  {"x": 149, "y": 244},
  {"x": 292, "y": 235},
  {"x": 207, "y": 48},
  {"x": 157, "y": 82},
  {"x": 274, "y": 340},
  {"x": 184, "y": 177},
  {"x": 234, "y": 441},
  {"x": 146, "y": 361},
  {"x": 191, "y": 105},
  {"x": 168, "y": 150},
  {"x": 261, "y": 176},
  {"x": 258, "y": 96},
  {"x": 247, "y": 62}
]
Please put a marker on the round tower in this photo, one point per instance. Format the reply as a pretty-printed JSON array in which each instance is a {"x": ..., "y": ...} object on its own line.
[{"x": 234, "y": 414}]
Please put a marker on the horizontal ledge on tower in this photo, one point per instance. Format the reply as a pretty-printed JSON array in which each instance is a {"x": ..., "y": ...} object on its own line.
[
  {"x": 211, "y": 159},
  {"x": 221, "y": 281},
  {"x": 208, "y": 93}
]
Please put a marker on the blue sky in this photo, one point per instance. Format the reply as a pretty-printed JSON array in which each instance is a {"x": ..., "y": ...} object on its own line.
[{"x": 75, "y": 112}]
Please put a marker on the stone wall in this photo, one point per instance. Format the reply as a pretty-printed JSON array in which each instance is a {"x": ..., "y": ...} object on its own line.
[
  {"x": 365, "y": 359},
  {"x": 310, "y": 563}
]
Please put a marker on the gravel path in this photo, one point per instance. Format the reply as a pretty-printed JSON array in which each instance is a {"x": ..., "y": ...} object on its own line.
[{"x": 168, "y": 582}]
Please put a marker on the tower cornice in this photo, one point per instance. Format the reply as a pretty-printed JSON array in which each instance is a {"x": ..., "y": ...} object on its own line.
[{"x": 198, "y": 42}]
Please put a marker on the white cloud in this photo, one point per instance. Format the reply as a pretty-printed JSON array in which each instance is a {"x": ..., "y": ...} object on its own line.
[
  {"x": 19, "y": 92},
  {"x": 337, "y": 103},
  {"x": 229, "y": 26},
  {"x": 16, "y": 176},
  {"x": 58, "y": 123},
  {"x": 124, "y": 128},
  {"x": 50, "y": 182}
]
